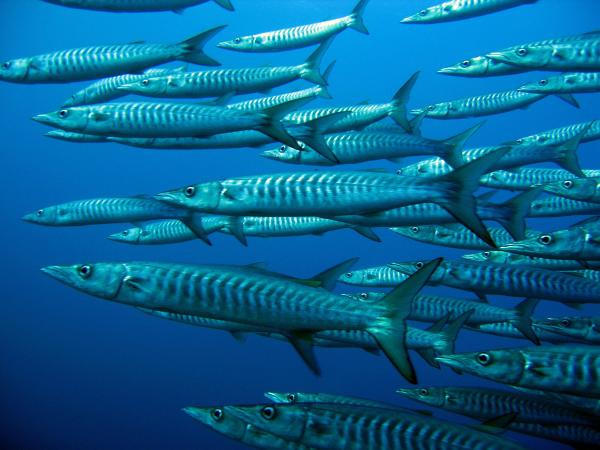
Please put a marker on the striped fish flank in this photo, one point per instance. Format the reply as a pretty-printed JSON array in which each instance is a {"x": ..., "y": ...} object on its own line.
[
  {"x": 462, "y": 9},
  {"x": 567, "y": 83},
  {"x": 117, "y": 6}
]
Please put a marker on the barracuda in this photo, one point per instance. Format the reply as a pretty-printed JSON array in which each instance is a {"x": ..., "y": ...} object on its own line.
[
  {"x": 137, "y": 5},
  {"x": 174, "y": 231},
  {"x": 253, "y": 297},
  {"x": 560, "y": 207},
  {"x": 568, "y": 369},
  {"x": 489, "y": 403},
  {"x": 300, "y": 36},
  {"x": 580, "y": 55},
  {"x": 169, "y": 120},
  {"x": 337, "y": 193},
  {"x": 483, "y": 66},
  {"x": 104, "y": 61},
  {"x": 456, "y": 236},
  {"x": 358, "y": 427},
  {"x": 567, "y": 83},
  {"x": 503, "y": 257},
  {"x": 527, "y": 177},
  {"x": 107, "y": 89},
  {"x": 306, "y": 397},
  {"x": 582, "y": 189},
  {"x": 502, "y": 279},
  {"x": 104, "y": 210},
  {"x": 557, "y": 136},
  {"x": 368, "y": 145},
  {"x": 216, "y": 83},
  {"x": 586, "y": 329},
  {"x": 462, "y": 9},
  {"x": 536, "y": 416},
  {"x": 508, "y": 330},
  {"x": 237, "y": 429},
  {"x": 69, "y": 136}
]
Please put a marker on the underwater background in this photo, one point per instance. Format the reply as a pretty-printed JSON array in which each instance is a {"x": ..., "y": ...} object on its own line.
[{"x": 81, "y": 373}]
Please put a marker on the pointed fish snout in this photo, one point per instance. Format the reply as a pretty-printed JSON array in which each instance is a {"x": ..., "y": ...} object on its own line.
[
  {"x": 450, "y": 361},
  {"x": 42, "y": 118},
  {"x": 498, "y": 56},
  {"x": 225, "y": 44},
  {"x": 126, "y": 87},
  {"x": 56, "y": 272}
]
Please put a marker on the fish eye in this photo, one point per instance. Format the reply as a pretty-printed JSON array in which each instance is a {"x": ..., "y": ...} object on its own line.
[
  {"x": 486, "y": 255},
  {"x": 217, "y": 414},
  {"x": 565, "y": 323},
  {"x": 85, "y": 271},
  {"x": 545, "y": 239},
  {"x": 543, "y": 82},
  {"x": 419, "y": 265},
  {"x": 282, "y": 149},
  {"x": 237, "y": 40},
  {"x": 125, "y": 233},
  {"x": 301, "y": 144},
  {"x": 522, "y": 52},
  {"x": 145, "y": 82},
  {"x": 6, "y": 65},
  {"x": 484, "y": 359},
  {"x": 423, "y": 12},
  {"x": 268, "y": 412},
  {"x": 414, "y": 229},
  {"x": 568, "y": 184},
  {"x": 40, "y": 213},
  {"x": 465, "y": 63},
  {"x": 348, "y": 275},
  {"x": 363, "y": 295},
  {"x": 258, "y": 40},
  {"x": 423, "y": 392},
  {"x": 399, "y": 172},
  {"x": 63, "y": 113},
  {"x": 519, "y": 141},
  {"x": 190, "y": 191},
  {"x": 291, "y": 398},
  {"x": 430, "y": 107}
]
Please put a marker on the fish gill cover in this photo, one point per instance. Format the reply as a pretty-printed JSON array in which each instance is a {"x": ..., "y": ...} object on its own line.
[{"x": 248, "y": 152}]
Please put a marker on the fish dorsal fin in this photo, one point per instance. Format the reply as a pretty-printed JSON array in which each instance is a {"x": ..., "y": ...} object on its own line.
[
  {"x": 439, "y": 324},
  {"x": 498, "y": 425},
  {"x": 261, "y": 265},
  {"x": 302, "y": 343}
]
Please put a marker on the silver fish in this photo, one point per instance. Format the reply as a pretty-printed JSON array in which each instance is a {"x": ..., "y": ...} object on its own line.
[
  {"x": 525, "y": 177},
  {"x": 583, "y": 189},
  {"x": 462, "y": 9},
  {"x": 137, "y": 5},
  {"x": 585, "y": 329},
  {"x": 567, "y": 83},
  {"x": 508, "y": 330},
  {"x": 503, "y": 257}
]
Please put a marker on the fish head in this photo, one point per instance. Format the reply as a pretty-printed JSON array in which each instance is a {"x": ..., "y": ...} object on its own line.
[
  {"x": 527, "y": 55},
  {"x": 472, "y": 67},
  {"x": 424, "y": 168},
  {"x": 219, "y": 420},
  {"x": 283, "y": 397},
  {"x": 431, "y": 395},
  {"x": 284, "y": 153},
  {"x": 151, "y": 86},
  {"x": 576, "y": 188},
  {"x": 15, "y": 69},
  {"x": 492, "y": 256},
  {"x": 70, "y": 119},
  {"x": 243, "y": 43},
  {"x": 409, "y": 268},
  {"x": 129, "y": 236},
  {"x": 436, "y": 110},
  {"x": 426, "y": 15},
  {"x": 585, "y": 328},
  {"x": 550, "y": 84},
  {"x": 367, "y": 297},
  {"x": 46, "y": 216},
  {"x": 285, "y": 420},
  {"x": 362, "y": 277},
  {"x": 504, "y": 365},
  {"x": 200, "y": 197},
  {"x": 419, "y": 232},
  {"x": 563, "y": 244},
  {"x": 102, "y": 280}
]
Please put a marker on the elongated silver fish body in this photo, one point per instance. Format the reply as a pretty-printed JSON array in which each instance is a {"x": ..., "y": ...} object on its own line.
[
  {"x": 69, "y": 136},
  {"x": 510, "y": 280},
  {"x": 104, "y": 61},
  {"x": 321, "y": 397},
  {"x": 504, "y": 257},
  {"x": 560, "y": 206},
  {"x": 508, "y": 330},
  {"x": 234, "y": 139},
  {"x": 484, "y": 66},
  {"x": 481, "y": 105},
  {"x": 456, "y": 236},
  {"x": 136, "y": 5},
  {"x": 567, "y": 83},
  {"x": 107, "y": 89},
  {"x": 260, "y": 103},
  {"x": 586, "y": 329},
  {"x": 151, "y": 119},
  {"x": 356, "y": 147},
  {"x": 584, "y": 189},
  {"x": 580, "y": 55},
  {"x": 337, "y": 426},
  {"x": 359, "y": 116},
  {"x": 568, "y": 369},
  {"x": 299, "y": 36},
  {"x": 462, "y": 9},
  {"x": 482, "y": 403},
  {"x": 205, "y": 322},
  {"x": 526, "y": 177},
  {"x": 104, "y": 210},
  {"x": 557, "y": 136}
]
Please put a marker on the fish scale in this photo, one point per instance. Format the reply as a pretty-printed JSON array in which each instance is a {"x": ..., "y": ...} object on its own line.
[
  {"x": 257, "y": 104},
  {"x": 570, "y": 83},
  {"x": 560, "y": 135}
]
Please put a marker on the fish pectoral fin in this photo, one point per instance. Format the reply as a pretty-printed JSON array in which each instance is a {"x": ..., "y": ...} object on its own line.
[
  {"x": 542, "y": 371},
  {"x": 497, "y": 425},
  {"x": 303, "y": 344},
  {"x": 99, "y": 117},
  {"x": 136, "y": 283}
]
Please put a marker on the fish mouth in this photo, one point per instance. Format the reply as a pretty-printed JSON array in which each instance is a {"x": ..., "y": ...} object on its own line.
[
  {"x": 57, "y": 272},
  {"x": 129, "y": 87},
  {"x": 448, "y": 70},
  {"x": 29, "y": 218},
  {"x": 115, "y": 237},
  {"x": 410, "y": 19},
  {"x": 45, "y": 119},
  {"x": 168, "y": 197},
  {"x": 225, "y": 44},
  {"x": 474, "y": 257},
  {"x": 451, "y": 361},
  {"x": 199, "y": 414},
  {"x": 270, "y": 154},
  {"x": 417, "y": 111},
  {"x": 499, "y": 56},
  {"x": 56, "y": 134}
]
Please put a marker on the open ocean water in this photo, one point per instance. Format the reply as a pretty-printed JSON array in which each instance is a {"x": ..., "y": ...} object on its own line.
[{"x": 80, "y": 373}]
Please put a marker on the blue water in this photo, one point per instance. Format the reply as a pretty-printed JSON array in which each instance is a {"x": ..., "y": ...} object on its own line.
[{"x": 81, "y": 373}]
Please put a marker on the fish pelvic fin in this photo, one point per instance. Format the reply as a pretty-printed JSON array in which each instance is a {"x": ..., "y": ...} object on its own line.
[
  {"x": 399, "y": 102},
  {"x": 357, "y": 17},
  {"x": 192, "y": 49},
  {"x": 390, "y": 329}
]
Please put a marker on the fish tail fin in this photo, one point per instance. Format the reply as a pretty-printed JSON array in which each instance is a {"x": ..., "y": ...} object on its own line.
[
  {"x": 323, "y": 91},
  {"x": 416, "y": 122},
  {"x": 517, "y": 209},
  {"x": 357, "y": 17},
  {"x": 566, "y": 153},
  {"x": 226, "y": 4},
  {"x": 389, "y": 330},
  {"x": 311, "y": 67},
  {"x": 272, "y": 125},
  {"x": 400, "y": 100},
  {"x": 570, "y": 99},
  {"x": 523, "y": 321},
  {"x": 459, "y": 200},
  {"x": 192, "y": 49},
  {"x": 450, "y": 333},
  {"x": 312, "y": 134},
  {"x": 235, "y": 225},
  {"x": 455, "y": 144},
  {"x": 366, "y": 232}
]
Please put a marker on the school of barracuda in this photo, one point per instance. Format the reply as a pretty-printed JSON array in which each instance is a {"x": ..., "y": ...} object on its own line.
[{"x": 552, "y": 383}]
